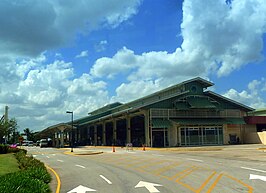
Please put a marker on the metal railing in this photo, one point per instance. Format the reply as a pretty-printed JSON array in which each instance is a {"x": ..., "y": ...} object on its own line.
[{"x": 172, "y": 113}]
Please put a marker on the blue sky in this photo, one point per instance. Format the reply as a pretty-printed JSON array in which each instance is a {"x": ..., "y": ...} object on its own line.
[{"x": 80, "y": 55}]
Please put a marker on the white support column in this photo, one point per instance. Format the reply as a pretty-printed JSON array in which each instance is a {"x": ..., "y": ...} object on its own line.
[
  {"x": 104, "y": 134},
  {"x": 114, "y": 131},
  {"x": 88, "y": 136},
  {"x": 61, "y": 138},
  {"x": 95, "y": 134},
  {"x": 57, "y": 139},
  {"x": 147, "y": 129},
  {"x": 128, "y": 127}
]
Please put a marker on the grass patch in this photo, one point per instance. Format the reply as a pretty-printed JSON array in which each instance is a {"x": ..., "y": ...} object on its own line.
[
  {"x": 31, "y": 175},
  {"x": 8, "y": 164}
]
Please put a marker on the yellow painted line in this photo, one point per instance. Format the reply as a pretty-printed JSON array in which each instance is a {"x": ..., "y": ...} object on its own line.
[
  {"x": 206, "y": 182},
  {"x": 250, "y": 189},
  {"x": 188, "y": 173},
  {"x": 57, "y": 178},
  {"x": 166, "y": 168},
  {"x": 130, "y": 160},
  {"x": 70, "y": 153},
  {"x": 132, "y": 164},
  {"x": 142, "y": 168},
  {"x": 184, "y": 184},
  {"x": 179, "y": 173},
  {"x": 153, "y": 164},
  {"x": 119, "y": 160}
]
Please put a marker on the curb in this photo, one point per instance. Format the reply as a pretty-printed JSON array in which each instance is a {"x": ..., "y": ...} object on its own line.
[
  {"x": 57, "y": 178},
  {"x": 77, "y": 154}
]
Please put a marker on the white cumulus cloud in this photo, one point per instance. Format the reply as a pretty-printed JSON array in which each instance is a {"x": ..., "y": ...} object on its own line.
[
  {"x": 83, "y": 54},
  {"x": 252, "y": 96}
]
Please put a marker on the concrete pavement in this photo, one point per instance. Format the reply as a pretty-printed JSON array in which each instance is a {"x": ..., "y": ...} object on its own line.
[{"x": 230, "y": 169}]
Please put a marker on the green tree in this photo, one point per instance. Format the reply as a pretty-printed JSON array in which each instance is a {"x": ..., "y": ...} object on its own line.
[
  {"x": 8, "y": 129},
  {"x": 30, "y": 134}
]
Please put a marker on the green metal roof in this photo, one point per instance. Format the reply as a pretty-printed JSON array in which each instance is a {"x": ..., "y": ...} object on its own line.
[
  {"x": 200, "y": 102},
  {"x": 161, "y": 95},
  {"x": 106, "y": 108},
  {"x": 242, "y": 106},
  {"x": 205, "y": 121},
  {"x": 258, "y": 112},
  {"x": 161, "y": 123}
]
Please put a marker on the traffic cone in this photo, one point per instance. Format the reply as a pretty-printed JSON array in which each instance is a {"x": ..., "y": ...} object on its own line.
[{"x": 113, "y": 148}]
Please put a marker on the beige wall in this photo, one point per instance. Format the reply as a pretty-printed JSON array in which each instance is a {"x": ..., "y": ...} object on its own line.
[
  {"x": 172, "y": 136},
  {"x": 252, "y": 136},
  {"x": 232, "y": 129},
  {"x": 256, "y": 137}
]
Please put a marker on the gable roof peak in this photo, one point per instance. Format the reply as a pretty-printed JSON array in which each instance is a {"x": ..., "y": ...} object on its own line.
[{"x": 202, "y": 81}]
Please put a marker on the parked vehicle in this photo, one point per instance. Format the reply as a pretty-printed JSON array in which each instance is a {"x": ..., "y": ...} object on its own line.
[
  {"x": 43, "y": 143},
  {"x": 27, "y": 143}
]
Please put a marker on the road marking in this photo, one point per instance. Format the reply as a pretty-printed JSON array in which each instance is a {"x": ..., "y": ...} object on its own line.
[
  {"x": 108, "y": 181},
  {"x": 59, "y": 160},
  {"x": 196, "y": 160},
  {"x": 47, "y": 156},
  {"x": 81, "y": 189},
  {"x": 80, "y": 166},
  {"x": 157, "y": 155},
  {"x": 57, "y": 178},
  {"x": 257, "y": 177},
  {"x": 149, "y": 186},
  {"x": 53, "y": 154},
  {"x": 34, "y": 155},
  {"x": 164, "y": 169},
  {"x": 257, "y": 170},
  {"x": 250, "y": 189}
]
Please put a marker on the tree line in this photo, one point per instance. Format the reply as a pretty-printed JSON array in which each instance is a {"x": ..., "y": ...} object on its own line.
[{"x": 9, "y": 132}]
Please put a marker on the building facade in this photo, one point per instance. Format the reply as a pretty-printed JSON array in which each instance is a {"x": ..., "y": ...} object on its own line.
[{"x": 186, "y": 114}]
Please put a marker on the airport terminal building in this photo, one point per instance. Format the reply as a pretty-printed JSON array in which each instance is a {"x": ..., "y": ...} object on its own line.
[{"x": 186, "y": 114}]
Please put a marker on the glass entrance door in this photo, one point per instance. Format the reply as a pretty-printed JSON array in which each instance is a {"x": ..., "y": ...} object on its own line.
[{"x": 201, "y": 135}]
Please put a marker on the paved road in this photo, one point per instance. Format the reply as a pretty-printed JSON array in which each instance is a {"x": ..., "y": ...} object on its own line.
[{"x": 226, "y": 171}]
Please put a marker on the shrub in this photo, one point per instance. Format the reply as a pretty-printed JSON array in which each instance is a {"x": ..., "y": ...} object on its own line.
[
  {"x": 3, "y": 149},
  {"x": 13, "y": 150},
  {"x": 39, "y": 173},
  {"x": 33, "y": 176},
  {"x": 18, "y": 182}
]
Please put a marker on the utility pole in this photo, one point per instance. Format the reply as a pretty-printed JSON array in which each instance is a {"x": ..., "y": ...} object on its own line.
[{"x": 6, "y": 113}]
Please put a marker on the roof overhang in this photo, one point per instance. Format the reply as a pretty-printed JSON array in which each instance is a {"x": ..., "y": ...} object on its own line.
[
  {"x": 56, "y": 128},
  {"x": 255, "y": 119},
  {"x": 246, "y": 108}
]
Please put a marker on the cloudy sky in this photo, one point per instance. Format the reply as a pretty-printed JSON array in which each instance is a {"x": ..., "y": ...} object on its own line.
[{"x": 70, "y": 55}]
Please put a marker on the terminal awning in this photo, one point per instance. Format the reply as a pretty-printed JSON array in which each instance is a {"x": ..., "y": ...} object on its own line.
[
  {"x": 204, "y": 121},
  {"x": 161, "y": 123}
]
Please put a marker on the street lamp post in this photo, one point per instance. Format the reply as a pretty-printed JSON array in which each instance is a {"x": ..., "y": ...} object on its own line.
[{"x": 72, "y": 137}]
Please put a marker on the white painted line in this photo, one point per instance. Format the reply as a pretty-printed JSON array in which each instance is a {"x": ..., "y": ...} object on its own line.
[
  {"x": 59, "y": 160},
  {"x": 42, "y": 154},
  {"x": 257, "y": 177},
  {"x": 257, "y": 170},
  {"x": 108, "y": 181},
  {"x": 131, "y": 152},
  {"x": 80, "y": 166},
  {"x": 34, "y": 155},
  {"x": 157, "y": 154},
  {"x": 53, "y": 154},
  {"x": 47, "y": 156},
  {"x": 196, "y": 160}
]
